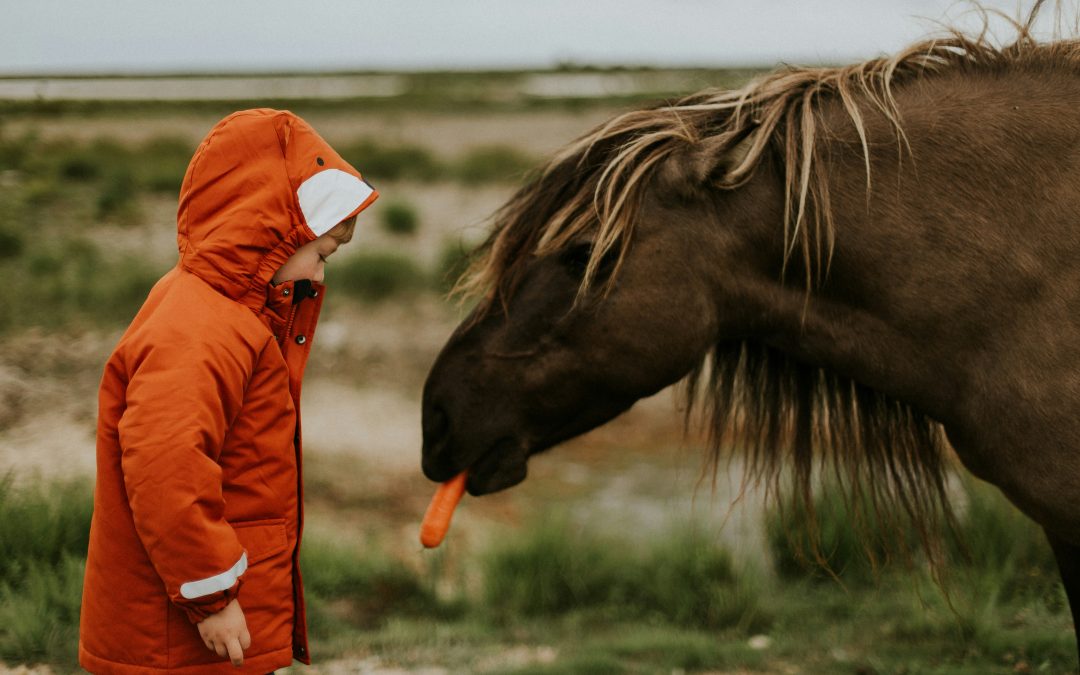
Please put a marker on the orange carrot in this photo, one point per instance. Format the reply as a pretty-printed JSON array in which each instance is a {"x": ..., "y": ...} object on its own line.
[{"x": 437, "y": 518}]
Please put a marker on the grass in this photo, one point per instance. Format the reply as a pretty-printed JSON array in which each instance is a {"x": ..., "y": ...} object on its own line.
[
  {"x": 399, "y": 217},
  {"x": 558, "y": 598},
  {"x": 375, "y": 276},
  {"x": 44, "y": 532},
  {"x": 685, "y": 580}
]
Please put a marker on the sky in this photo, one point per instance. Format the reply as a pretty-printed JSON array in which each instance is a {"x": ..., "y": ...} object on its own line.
[{"x": 206, "y": 36}]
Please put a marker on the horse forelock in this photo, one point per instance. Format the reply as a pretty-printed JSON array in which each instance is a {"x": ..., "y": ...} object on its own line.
[{"x": 590, "y": 191}]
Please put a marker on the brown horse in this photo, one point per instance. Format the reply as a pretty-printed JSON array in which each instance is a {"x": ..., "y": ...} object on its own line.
[{"x": 840, "y": 262}]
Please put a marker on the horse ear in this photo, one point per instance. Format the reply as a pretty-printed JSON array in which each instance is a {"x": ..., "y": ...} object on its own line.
[{"x": 704, "y": 164}]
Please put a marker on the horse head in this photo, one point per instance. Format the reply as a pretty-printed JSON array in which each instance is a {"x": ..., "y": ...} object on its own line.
[{"x": 580, "y": 321}]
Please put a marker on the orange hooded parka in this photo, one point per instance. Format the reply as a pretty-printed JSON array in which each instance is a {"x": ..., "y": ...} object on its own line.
[{"x": 198, "y": 497}]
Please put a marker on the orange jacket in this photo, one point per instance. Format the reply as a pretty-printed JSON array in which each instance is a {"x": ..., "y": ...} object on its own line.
[{"x": 198, "y": 497}]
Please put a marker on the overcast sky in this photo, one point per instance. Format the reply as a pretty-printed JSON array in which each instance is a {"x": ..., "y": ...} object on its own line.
[{"x": 134, "y": 36}]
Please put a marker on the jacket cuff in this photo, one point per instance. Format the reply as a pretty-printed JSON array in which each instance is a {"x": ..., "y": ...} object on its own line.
[{"x": 211, "y": 604}]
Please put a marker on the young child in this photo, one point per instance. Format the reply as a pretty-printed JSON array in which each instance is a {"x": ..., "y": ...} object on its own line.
[{"x": 198, "y": 512}]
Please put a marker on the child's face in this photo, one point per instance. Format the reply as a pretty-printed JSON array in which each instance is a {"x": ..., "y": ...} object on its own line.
[{"x": 309, "y": 260}]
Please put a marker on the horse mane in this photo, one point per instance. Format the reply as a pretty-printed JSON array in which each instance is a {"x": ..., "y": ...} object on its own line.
[{"x": 888, "y": 458}]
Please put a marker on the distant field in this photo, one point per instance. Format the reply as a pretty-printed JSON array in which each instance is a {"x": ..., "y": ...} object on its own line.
[{"x": 428, "y": 91}]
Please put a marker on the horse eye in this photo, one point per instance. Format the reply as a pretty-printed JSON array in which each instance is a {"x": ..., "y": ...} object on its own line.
[{"x": 576, "y": 258}]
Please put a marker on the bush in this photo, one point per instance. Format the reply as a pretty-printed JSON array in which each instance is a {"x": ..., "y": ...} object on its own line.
[
  {"x": 453, "y": 261},
  {"x": 399, "y": 217},
  {"x": 493, "y": 163},
  {"x": 117, "y": 196},
  {"x": 370, "y": 585},
  {"x": 1004, "y": 547},
  {"x": 162, "y": 163},
  {"x": 44, "y": 533},
  {"x": 14, "y": 151},
  {"x": 41, "y": 527},
  {"x": 65, "y": 282},
  {"x": 375, "y": 276},
  {"x": 11, "y": 242},
  {"x": 382, "y": 162},
  {"x": 684, "y": 579}
]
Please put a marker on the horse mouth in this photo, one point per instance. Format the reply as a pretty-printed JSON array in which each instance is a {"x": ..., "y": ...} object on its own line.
[{"x": 503, "y": 466}]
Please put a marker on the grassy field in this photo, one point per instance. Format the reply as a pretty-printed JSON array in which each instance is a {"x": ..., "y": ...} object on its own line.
[
  {"x": 560, "y": 598},
  {"x": 542, "y": 579}
]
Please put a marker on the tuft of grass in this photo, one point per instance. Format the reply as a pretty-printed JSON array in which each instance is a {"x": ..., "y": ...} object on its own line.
[
  {"x": 684, "y": 579},
  {"x": 399, "y": 217},
  {"x": 375, "y": 276},
  {"x": 453, "y": 261},
  {"x": 44, "y": 532},
  {"x": 11, "y": 242},
  {"x": 1004, "y": 547},
  {"x": 361, "y": 587},
  {"x": 493, "y": 164},
  {"x": 384, "y": 162},
  {"x": 42, "y": 526},
  {"x": 842, "y": 541},
  {"x": 117, "y": 198},
  {"x": 67, "y": 282},
  {"x": 162, "y": 162}
]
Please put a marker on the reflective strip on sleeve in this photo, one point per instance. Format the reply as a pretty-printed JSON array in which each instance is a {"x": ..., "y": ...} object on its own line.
[
  {"x": 219, "y": 582},
  {"x": 328, "y": 197}
]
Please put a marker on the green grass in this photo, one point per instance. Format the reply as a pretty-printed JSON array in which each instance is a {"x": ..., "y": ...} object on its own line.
[
  {"x": 580, "y": 601},
  {"x": 44, "y": 532},
  {"x": 399, "y": 217},
  {"x": 685, "y": 579},
  {"x": 375, "y": 276},
  {"x": 493, "y": 164}
]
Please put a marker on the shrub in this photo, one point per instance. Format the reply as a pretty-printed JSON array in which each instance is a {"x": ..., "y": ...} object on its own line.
[
  {"x": 369, "y": 584},
  {"x": 44, "y": 533},
  {"x": 1004, "y": 547},
  {"x": 162, "y": 162},
  {"x": 14, "y": 151},
  {"x": 452, "y": 263},
  {"x": 375, "y": 276},
  {"x": 117, "y": 196},
  {"x": 684, "y": 579},
  {"x": 11, "y": 242},
  {"x": 79, "y": 166},
  {"x": 399, "y": 217},
  {"x": 59, "y": 283},
  {"x": 41, "y": 526},
  {"x": 493, "y": 163},
  {"x": 842, "y": 541},
  {"x": 382, "y": 162}
]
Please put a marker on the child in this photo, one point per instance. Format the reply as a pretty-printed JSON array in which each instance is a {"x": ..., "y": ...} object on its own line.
[{"x": 194, "y": 543}]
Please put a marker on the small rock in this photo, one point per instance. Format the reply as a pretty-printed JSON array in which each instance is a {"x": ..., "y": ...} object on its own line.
[{"x": 759, "y": 642}]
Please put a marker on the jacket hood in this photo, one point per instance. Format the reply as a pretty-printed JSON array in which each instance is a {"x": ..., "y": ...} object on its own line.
[{"x": 261, "y": 184}]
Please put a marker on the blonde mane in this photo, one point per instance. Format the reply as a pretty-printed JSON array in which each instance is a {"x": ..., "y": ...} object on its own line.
[{"x": 590, "y": 191}]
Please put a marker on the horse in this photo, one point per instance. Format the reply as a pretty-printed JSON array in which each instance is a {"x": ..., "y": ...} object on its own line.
[{"x": 873, "y": 267}]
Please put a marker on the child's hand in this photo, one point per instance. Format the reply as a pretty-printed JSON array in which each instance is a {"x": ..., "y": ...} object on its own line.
[{"x": 226, "y": 633}]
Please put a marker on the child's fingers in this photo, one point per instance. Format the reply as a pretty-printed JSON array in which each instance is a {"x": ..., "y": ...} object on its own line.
[
  {"x": 236, "y": 654},
  {"x": 245, "y": 638},
  {"x": 219, "y": 648}
]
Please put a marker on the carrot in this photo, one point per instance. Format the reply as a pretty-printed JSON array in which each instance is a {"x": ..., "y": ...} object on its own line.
[{"x": 437, "y": 518}]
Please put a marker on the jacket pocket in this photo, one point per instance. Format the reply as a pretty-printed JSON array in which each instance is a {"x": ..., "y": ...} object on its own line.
[{"x": 261, "y": 539}]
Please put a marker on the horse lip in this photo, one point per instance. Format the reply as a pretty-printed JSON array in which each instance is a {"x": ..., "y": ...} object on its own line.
[{"x": 501, "y": 467}]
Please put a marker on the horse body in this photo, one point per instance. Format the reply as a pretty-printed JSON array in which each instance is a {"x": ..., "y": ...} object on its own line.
[
  {"x": 944, "y": 289},
  {"x": 954, "y": 284}
]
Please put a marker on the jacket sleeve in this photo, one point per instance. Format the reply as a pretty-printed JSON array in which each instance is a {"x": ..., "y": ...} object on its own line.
[{"x": 183, "y": 393}]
